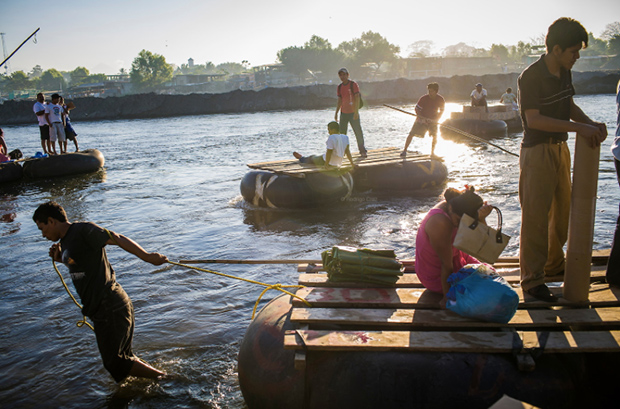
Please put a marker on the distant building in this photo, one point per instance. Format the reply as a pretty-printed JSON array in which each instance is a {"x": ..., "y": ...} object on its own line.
[
  {"x": 114, "y": 86},
  {"x": 273, "y": 75}
]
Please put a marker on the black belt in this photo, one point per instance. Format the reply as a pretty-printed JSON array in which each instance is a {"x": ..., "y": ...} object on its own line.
[{"x": 549, "y": 141}]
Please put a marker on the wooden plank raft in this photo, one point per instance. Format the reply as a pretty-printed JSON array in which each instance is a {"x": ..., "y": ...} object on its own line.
[
  {"x": 601, "y": 295},
  {"x": 376, "y": 157},
  {"x": 438, "y": 341},
  {"x": 407, "y": 317}
]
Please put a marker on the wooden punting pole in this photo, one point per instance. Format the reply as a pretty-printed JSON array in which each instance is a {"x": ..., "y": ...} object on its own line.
[{"x": 581, "y": 222}]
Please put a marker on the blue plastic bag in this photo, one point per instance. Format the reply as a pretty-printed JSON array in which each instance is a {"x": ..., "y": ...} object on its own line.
[{"x": 477, "y": 291}]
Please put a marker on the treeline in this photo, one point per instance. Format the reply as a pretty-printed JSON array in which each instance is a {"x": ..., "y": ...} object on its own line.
[{"x": 370, "y": 52}]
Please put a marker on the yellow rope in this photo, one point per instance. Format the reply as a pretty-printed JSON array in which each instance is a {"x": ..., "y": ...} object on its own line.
[
  {"x": 278, "y": 287},
  {"x": 62, "y": 280}
]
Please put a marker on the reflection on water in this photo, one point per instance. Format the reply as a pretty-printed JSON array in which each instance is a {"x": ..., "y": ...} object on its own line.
[{"x": 173, "y": 185}]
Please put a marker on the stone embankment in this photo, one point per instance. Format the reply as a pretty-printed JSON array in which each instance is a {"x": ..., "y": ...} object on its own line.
[{"x": 455, "y": 88}]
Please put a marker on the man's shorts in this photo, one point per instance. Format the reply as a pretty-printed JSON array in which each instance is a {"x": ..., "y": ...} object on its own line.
[
  {"x": 114, "y": 324},
  {"x": 420, "y": 128},
  {"x": 45, "y": 132},
  {"x": 57, "y": 132}
]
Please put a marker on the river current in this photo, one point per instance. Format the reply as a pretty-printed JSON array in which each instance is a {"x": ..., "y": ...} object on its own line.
[{"x": 172, "y": 185}]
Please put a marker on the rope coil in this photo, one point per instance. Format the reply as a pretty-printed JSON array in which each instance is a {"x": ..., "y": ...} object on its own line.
[{"x": 80, "y": 324}]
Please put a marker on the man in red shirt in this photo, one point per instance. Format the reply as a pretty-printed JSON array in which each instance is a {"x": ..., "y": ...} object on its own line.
[
  {"x": 348, "y": 105},
  {"x": 428, "y": 110}
]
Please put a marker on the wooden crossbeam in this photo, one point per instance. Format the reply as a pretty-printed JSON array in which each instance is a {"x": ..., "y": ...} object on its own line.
[
  {"x": 601, "y": 295},
  {"x": 445, "y": 319},
  {"x": 438, "y": 341},
  {"x": 409, "y": 280},
  {"x": 376, "y": 157}
]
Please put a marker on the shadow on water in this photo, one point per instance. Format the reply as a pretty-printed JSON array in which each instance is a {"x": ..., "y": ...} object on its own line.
[{"x": 343, "y": 215}]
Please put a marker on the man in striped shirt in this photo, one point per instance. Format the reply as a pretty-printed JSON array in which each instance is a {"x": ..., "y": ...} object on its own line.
[{"x": 548, "y": 113}]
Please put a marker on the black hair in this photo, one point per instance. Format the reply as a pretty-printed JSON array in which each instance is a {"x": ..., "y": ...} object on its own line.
[
  {"x": 433, "y": 85},
  {"x": 334, "y": 126},
  {"x": 467, "y": 202},
  {"x": 566, "y": 32},
  {"x": 508, "y": 89},
  {"x": 49, "y": 209},
  {"x": 55, "y": 96}
]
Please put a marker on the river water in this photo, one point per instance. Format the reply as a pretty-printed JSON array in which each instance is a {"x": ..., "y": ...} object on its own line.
[{"x": 173, "y": 185}]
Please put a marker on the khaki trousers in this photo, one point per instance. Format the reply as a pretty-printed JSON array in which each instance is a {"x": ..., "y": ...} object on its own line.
[{"x": 545, "y": 195}]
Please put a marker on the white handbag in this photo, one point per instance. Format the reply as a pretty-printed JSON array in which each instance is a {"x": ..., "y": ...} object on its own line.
[{"x": 479, "y": 240}]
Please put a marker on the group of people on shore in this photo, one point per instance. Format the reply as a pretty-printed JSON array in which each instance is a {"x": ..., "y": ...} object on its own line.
[
  {"x": 548, "y": 113},
  {"x": 54, "y": 124}
]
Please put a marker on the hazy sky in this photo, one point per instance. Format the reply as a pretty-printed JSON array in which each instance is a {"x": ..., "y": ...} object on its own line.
[{"x": 105, "y": 36}]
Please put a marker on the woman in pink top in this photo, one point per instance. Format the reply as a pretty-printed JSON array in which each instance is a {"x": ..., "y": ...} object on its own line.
[{"x": 435, "y": 257}]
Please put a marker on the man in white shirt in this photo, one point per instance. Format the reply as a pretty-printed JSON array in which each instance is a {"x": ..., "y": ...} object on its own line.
[
  {"x": 55, "y": 116},
  {"x": 337, "y": 146},
  {"x": 479, "y": 96},
  {"x": 39, "y": 111}
]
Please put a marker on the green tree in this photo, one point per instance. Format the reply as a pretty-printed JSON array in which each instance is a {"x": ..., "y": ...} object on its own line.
[
  {"x": 420, "y": 48},
  {"x": 316, "y": 55},
  {"x": 499, "y": 52},
  {"x": 35, "y": 72},
  {"x": 230, "y": 68},
  {"x": 17, "y": 81},
  {"x": 459, "y": 50},
  {"x": 520, "y": 51},
  {"x": 613, "y": 45},
  {"x": 611, "y": 30},
  {"x": 371, "y": 47},
  {"x": 596, "y": 46},
  {"x": 149, "y": 71},
  {"x": 52, "y": 80},
  {"x": 79, "y": 76}
]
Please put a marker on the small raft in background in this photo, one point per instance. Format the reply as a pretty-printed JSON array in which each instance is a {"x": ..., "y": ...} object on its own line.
[
  {"x": 86, "y": 161},
  {"x": 361, "y": 346},
  {"x": 487, "y": 125},
  {"x": 291, "y": 184},
  {"x": 10, "y": 171}
]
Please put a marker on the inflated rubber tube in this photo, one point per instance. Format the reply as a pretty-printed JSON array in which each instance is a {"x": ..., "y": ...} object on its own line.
[
  {"x": 86, "y": 161},
  {"x": 394, "y": 379},
  {"x": 481, "y": 129},
  {"x": 10, "y": 172},
  {"x": 268, "y": 189},
  {"x": 401, "y": 176}
]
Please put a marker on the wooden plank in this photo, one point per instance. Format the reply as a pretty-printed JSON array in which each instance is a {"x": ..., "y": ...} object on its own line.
[
  {"x": 371, "y": 153},
  {"x": 442, "y": 319},
  {"x": 409, "y": 280},
  {"x": 601, "y": 295},
  {"x": 439, "y": 341},
  {"x": 375, "y": 157}
]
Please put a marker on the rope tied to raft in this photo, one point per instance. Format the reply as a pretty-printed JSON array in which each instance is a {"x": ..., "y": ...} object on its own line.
[
  {"x": 278, "y": 287},
  {"x": 80, "y": 324}
]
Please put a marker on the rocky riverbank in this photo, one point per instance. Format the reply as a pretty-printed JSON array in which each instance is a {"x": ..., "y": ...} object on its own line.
[{"x": 455, "y": 88}]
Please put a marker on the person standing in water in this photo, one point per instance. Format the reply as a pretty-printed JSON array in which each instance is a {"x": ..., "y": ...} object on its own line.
[{"x": 81, "y": 248}]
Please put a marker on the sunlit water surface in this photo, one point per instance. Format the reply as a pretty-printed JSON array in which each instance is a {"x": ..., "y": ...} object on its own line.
[{"x": 173, "y": 185}]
